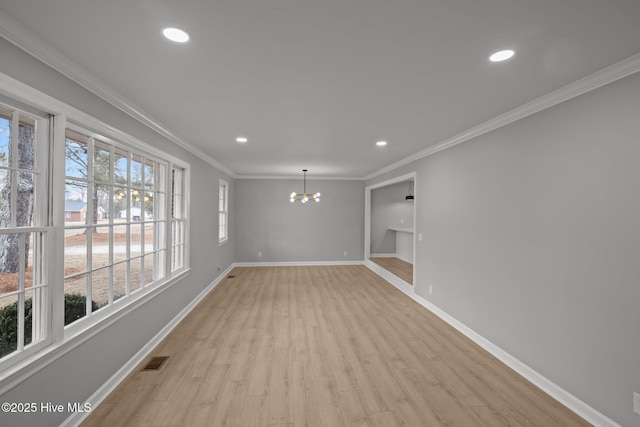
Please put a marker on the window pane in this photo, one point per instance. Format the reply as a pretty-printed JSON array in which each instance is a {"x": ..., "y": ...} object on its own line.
[
  {"x": 9, "y": 262},
  {"x": 161, "y": 178},
  {"x": 160, "y": 233},
  {"x": 161, "y": 259},
  {"x": 149, "y": 175},
  {"x": 75, "y": 251},
  {"x": 75, "y": 292},
  {"x": 148, "y": 206},
  {"x": 5, "y": 197},
  {"x": 31, "y": 273},
  {"x": 101, "y": 203},
  {"x": 24, "y": 201},
  {"x": 119, "y": 280},
  {"x": 9, "y": 320},
  {"x": 75, "y": 204},
  {"x": 76, "y": 159},
  {"x": 100, "y": 287},
  {"x": 101, "y": 160},
  {"x": 149, "y": 273},
  {"x": 26, "y": 143},
  {"x": 5, "y": 136},
  {"x": 119, "y": 203},
  {"x": 120, "y": 167},
  {"x": 120, "y": 233},
  {"x": 136, "y": 171},
  {"x": 136, "y": 240},
  {"x": 136, "y": 206},
  {"x": 9, "y": 284},
  {"x": 159, "y": 209},
  {"x": 136, "y": 277},
  {"x": 149, "y": 237},
  {"x": 28, "y": 317},
  {"x": 100, "y": 247}
]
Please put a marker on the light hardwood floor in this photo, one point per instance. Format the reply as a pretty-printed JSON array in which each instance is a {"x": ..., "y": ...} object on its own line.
[
  {"x": 400, "y": 268},
  {"x": 322, "y": 346}
]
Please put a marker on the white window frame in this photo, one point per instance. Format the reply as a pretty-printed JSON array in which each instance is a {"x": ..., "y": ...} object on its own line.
[
  {"x": 158, "y": 255},
  {"x": 223, "y": 211},
  {"x": 18, "y": 366},
  {"x": 41, "y": 330}
]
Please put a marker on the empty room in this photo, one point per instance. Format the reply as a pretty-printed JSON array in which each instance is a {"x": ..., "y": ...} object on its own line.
[{"x": 319, "y": 213}]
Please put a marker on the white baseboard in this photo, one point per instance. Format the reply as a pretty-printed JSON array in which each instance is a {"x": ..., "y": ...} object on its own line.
[
  {"x": 583, "y": 410},
  {"x": 383, "y": 256},
  {"x": 405, "y": 287},
  {"x": 96, "y": 398}
]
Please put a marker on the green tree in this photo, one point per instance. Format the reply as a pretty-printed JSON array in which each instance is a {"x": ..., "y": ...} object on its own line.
[{"x": 77, "y": 161}]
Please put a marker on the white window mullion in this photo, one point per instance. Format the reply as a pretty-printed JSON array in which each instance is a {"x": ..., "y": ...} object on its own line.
[
  {"x": 128, "y": 225},
  {"x": 111, "y": 189},
  {"x": 55, "y": 267},
  {"x": 168, "y": 238},
  {"x": 13, "y": 162},
  {"x": 21, "y": 295},
  {"x": 41, "y": 319},
  {"x": 89, "y": 223},
  {"x": 142, "y": 194}
]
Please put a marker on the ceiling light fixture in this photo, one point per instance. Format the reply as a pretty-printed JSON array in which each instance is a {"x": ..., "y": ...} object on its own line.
[
  {"x": 176, "y": 35},
  {"x": 381, "y": 143},
  {"x": 502, "y": 55},
  {"x": 241, "y": 139},
  {"x": 304, "y": 197}
]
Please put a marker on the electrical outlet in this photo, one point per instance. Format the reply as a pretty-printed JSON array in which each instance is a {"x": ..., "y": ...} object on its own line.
[
  {"x": 402, "y": 221},
  {"x": 636, "y": 403},
  {"x": 419, "y": 237},
  {"x": 430, "y": 289},
  {"x": 346, "y": 253},
  {"x": 259, "y": 254}
]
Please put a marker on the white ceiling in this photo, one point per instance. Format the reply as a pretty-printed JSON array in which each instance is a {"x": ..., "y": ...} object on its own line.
[{"x": 314, "y": 84}]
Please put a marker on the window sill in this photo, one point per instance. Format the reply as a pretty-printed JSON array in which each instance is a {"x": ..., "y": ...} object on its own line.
[
  {"x": 222, "y": 242},
  {"x": 76, "y": 335}
]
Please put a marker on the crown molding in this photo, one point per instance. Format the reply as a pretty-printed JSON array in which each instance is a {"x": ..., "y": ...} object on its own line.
[
  {"x": 617, "y": 71},
  {"x": 25, "y": 39}
]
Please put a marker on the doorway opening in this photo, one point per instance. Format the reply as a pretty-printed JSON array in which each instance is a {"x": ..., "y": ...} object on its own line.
[{"x": 389, "y": 229}]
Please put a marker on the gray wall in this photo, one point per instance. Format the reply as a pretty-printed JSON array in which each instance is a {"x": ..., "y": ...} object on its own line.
[
  {"x": 532, "y": 239},
  {"x": 388, "y": 208},
  {"x": 267, "y": 222},
  {"x": 79, "y": 373}
]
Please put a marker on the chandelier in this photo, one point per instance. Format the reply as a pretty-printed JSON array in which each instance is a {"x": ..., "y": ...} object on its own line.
[{"x": 304, "y": 197}]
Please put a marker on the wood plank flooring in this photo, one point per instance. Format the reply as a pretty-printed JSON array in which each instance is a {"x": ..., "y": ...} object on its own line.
[
  {"x": 322, "y": 346},
  {"x": 400, "y": 268}
]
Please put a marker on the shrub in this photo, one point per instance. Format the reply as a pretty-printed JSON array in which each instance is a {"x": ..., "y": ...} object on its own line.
[
  {"x": 74, "y": 309},
  {"x": 9, "y": 327}
]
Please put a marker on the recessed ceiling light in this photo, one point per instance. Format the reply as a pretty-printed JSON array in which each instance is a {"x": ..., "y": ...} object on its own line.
[
  {"x": 502, "y": 55},
  {"x": 241, "y": 139},
  {"x": 176, "y": 35},
  {"x": 381, "y": 143}
]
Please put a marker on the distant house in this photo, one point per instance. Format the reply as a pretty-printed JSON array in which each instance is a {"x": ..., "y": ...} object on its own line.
[
  {"x": 135, "y": 214},
  {"x": 76, "y": 211}
]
